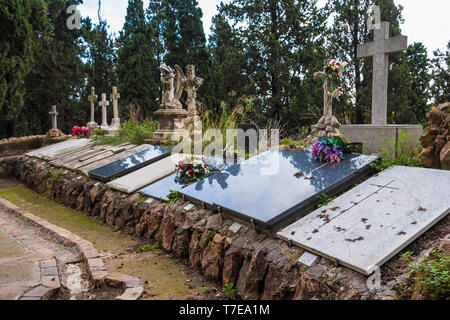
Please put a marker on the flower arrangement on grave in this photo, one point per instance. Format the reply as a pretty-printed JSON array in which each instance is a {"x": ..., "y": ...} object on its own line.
[
  {"x": 191, "y": 169},
  {"x": 329, "y": 150},
  {"x": 334, "y": 69},
  {"x": 80, "y": 131}
]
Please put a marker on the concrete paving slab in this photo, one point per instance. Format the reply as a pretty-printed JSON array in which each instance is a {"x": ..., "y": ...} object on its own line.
[{"x": 371, "y": 223}]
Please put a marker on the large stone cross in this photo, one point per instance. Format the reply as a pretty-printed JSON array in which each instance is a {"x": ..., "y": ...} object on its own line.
[
  {"x": 104, "y": 103},
  {"x": 380, "y": 49},
  {"x": 54, "y": 115},
  {"x": 92, "y": 99},
  {"x": 115, "y": 96}
]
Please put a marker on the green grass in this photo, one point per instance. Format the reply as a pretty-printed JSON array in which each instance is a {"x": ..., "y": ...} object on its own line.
[{"x": 135, "y": 133}]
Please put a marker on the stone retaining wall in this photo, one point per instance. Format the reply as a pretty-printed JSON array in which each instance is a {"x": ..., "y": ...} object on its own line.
[{"x": 260, "y": 265}]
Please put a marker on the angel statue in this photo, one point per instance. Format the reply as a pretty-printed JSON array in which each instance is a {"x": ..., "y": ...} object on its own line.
[
  {"x": 191, "y": 85},
  {"x": 172, "y": 87}
]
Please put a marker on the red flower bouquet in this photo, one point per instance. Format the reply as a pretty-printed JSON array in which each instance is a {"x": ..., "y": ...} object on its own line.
[{"x": 191, "y": 169}]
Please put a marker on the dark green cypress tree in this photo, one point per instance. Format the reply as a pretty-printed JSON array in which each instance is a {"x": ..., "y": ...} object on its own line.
[
  {"x": 24, "y": 24},
  {"x": 229, "y": 81},
  {"x": 58, "y": 76},
  {"x": 283, "y": 44},
  {"x": 419, "y": 64},
  {"x": 101, "y": 60},
  {"x": 440, "y": 88},
  {"x": 136, "y": 61},
  {"x": 184, "y": 36}
]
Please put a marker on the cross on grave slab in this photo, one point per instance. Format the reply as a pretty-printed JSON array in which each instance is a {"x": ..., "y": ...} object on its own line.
[
  {"x": 92, "y": 99},
  {"x": 115, "y": 96},
  {"x": 54, "y": 115},
  {"x": 104, "y": 103},
  {"x": 380, "y": 49}
]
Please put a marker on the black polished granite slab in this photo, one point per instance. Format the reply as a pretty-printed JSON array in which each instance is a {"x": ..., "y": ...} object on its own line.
[
  {"x": 276, "y": 187},
  {"x": 130, "y": 164},
  {"x": 161, "y": 188}
]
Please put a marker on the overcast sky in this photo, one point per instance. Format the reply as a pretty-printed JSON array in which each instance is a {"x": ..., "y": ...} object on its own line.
[{"x": 425, "y": 21}]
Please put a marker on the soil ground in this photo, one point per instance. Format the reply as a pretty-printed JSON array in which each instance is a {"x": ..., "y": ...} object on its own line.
[{"x": 165, "y": 277}]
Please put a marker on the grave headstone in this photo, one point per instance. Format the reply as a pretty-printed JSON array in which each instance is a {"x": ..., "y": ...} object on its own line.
[
  {"x": 54, "y": 131},
  {"x": 54, "y": 115},
  {"x": 92, "y": 125},
  {"x": 380, "y": 49},
  {"x": 115, "y": 128},
  {"x": 377, "y": 134},
  {"x": 104, "y": 104}
]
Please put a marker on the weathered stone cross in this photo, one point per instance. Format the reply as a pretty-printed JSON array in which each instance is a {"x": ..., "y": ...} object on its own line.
[
  {"x": 92, "y": 99},
  {"x": 380, "y": 49},
  {"x": 54, "y": 115},
  {"x": 115, "y": 96},
  {"x": 104, "y": 103}
]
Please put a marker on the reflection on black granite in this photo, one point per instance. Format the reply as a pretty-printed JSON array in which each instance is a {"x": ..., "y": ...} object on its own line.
[
  {"x": 243, "y": 188},
  {"x": 160, "y": 189},
  {"x": 127, "y": 164}
]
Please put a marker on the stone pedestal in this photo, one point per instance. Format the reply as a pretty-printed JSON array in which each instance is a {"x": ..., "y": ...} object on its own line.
[
  {"x": 171, "y": 124},
  {"x": 328, "y": 126},
  {"x": 114, "y": 129},
  {"x": 376, "y": 137}
]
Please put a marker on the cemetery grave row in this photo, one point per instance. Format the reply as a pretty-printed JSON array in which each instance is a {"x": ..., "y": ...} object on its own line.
[{"x": 361, "y": 229}]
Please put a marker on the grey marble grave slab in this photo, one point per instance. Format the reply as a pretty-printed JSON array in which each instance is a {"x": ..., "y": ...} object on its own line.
[
  {"x": 130, "y": 164},
  {"x": 161, "y": 188},
  {"x": 371, "y": 223},
  {"x": 274, "y": 188},
  {"x": 107, "y": 158}
]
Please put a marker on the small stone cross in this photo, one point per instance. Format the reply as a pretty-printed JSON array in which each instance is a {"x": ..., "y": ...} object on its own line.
[
  {"x": 115, "y": 96},
  {"x": 104, "y": 103},
  {"x": 92, "y": 99},
  {"x": 380, "y": 49},
  {"x": 54, "y": 115}
]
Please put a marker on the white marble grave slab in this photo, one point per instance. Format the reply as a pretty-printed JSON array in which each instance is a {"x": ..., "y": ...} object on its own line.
[
  {"x": 147, "y": 175},
  {"x": 107, "y": 158},
  {"x": 371, "y": 223},
  {"x": 91, "y": 157},
  {"x": 72, "y": 143}
]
